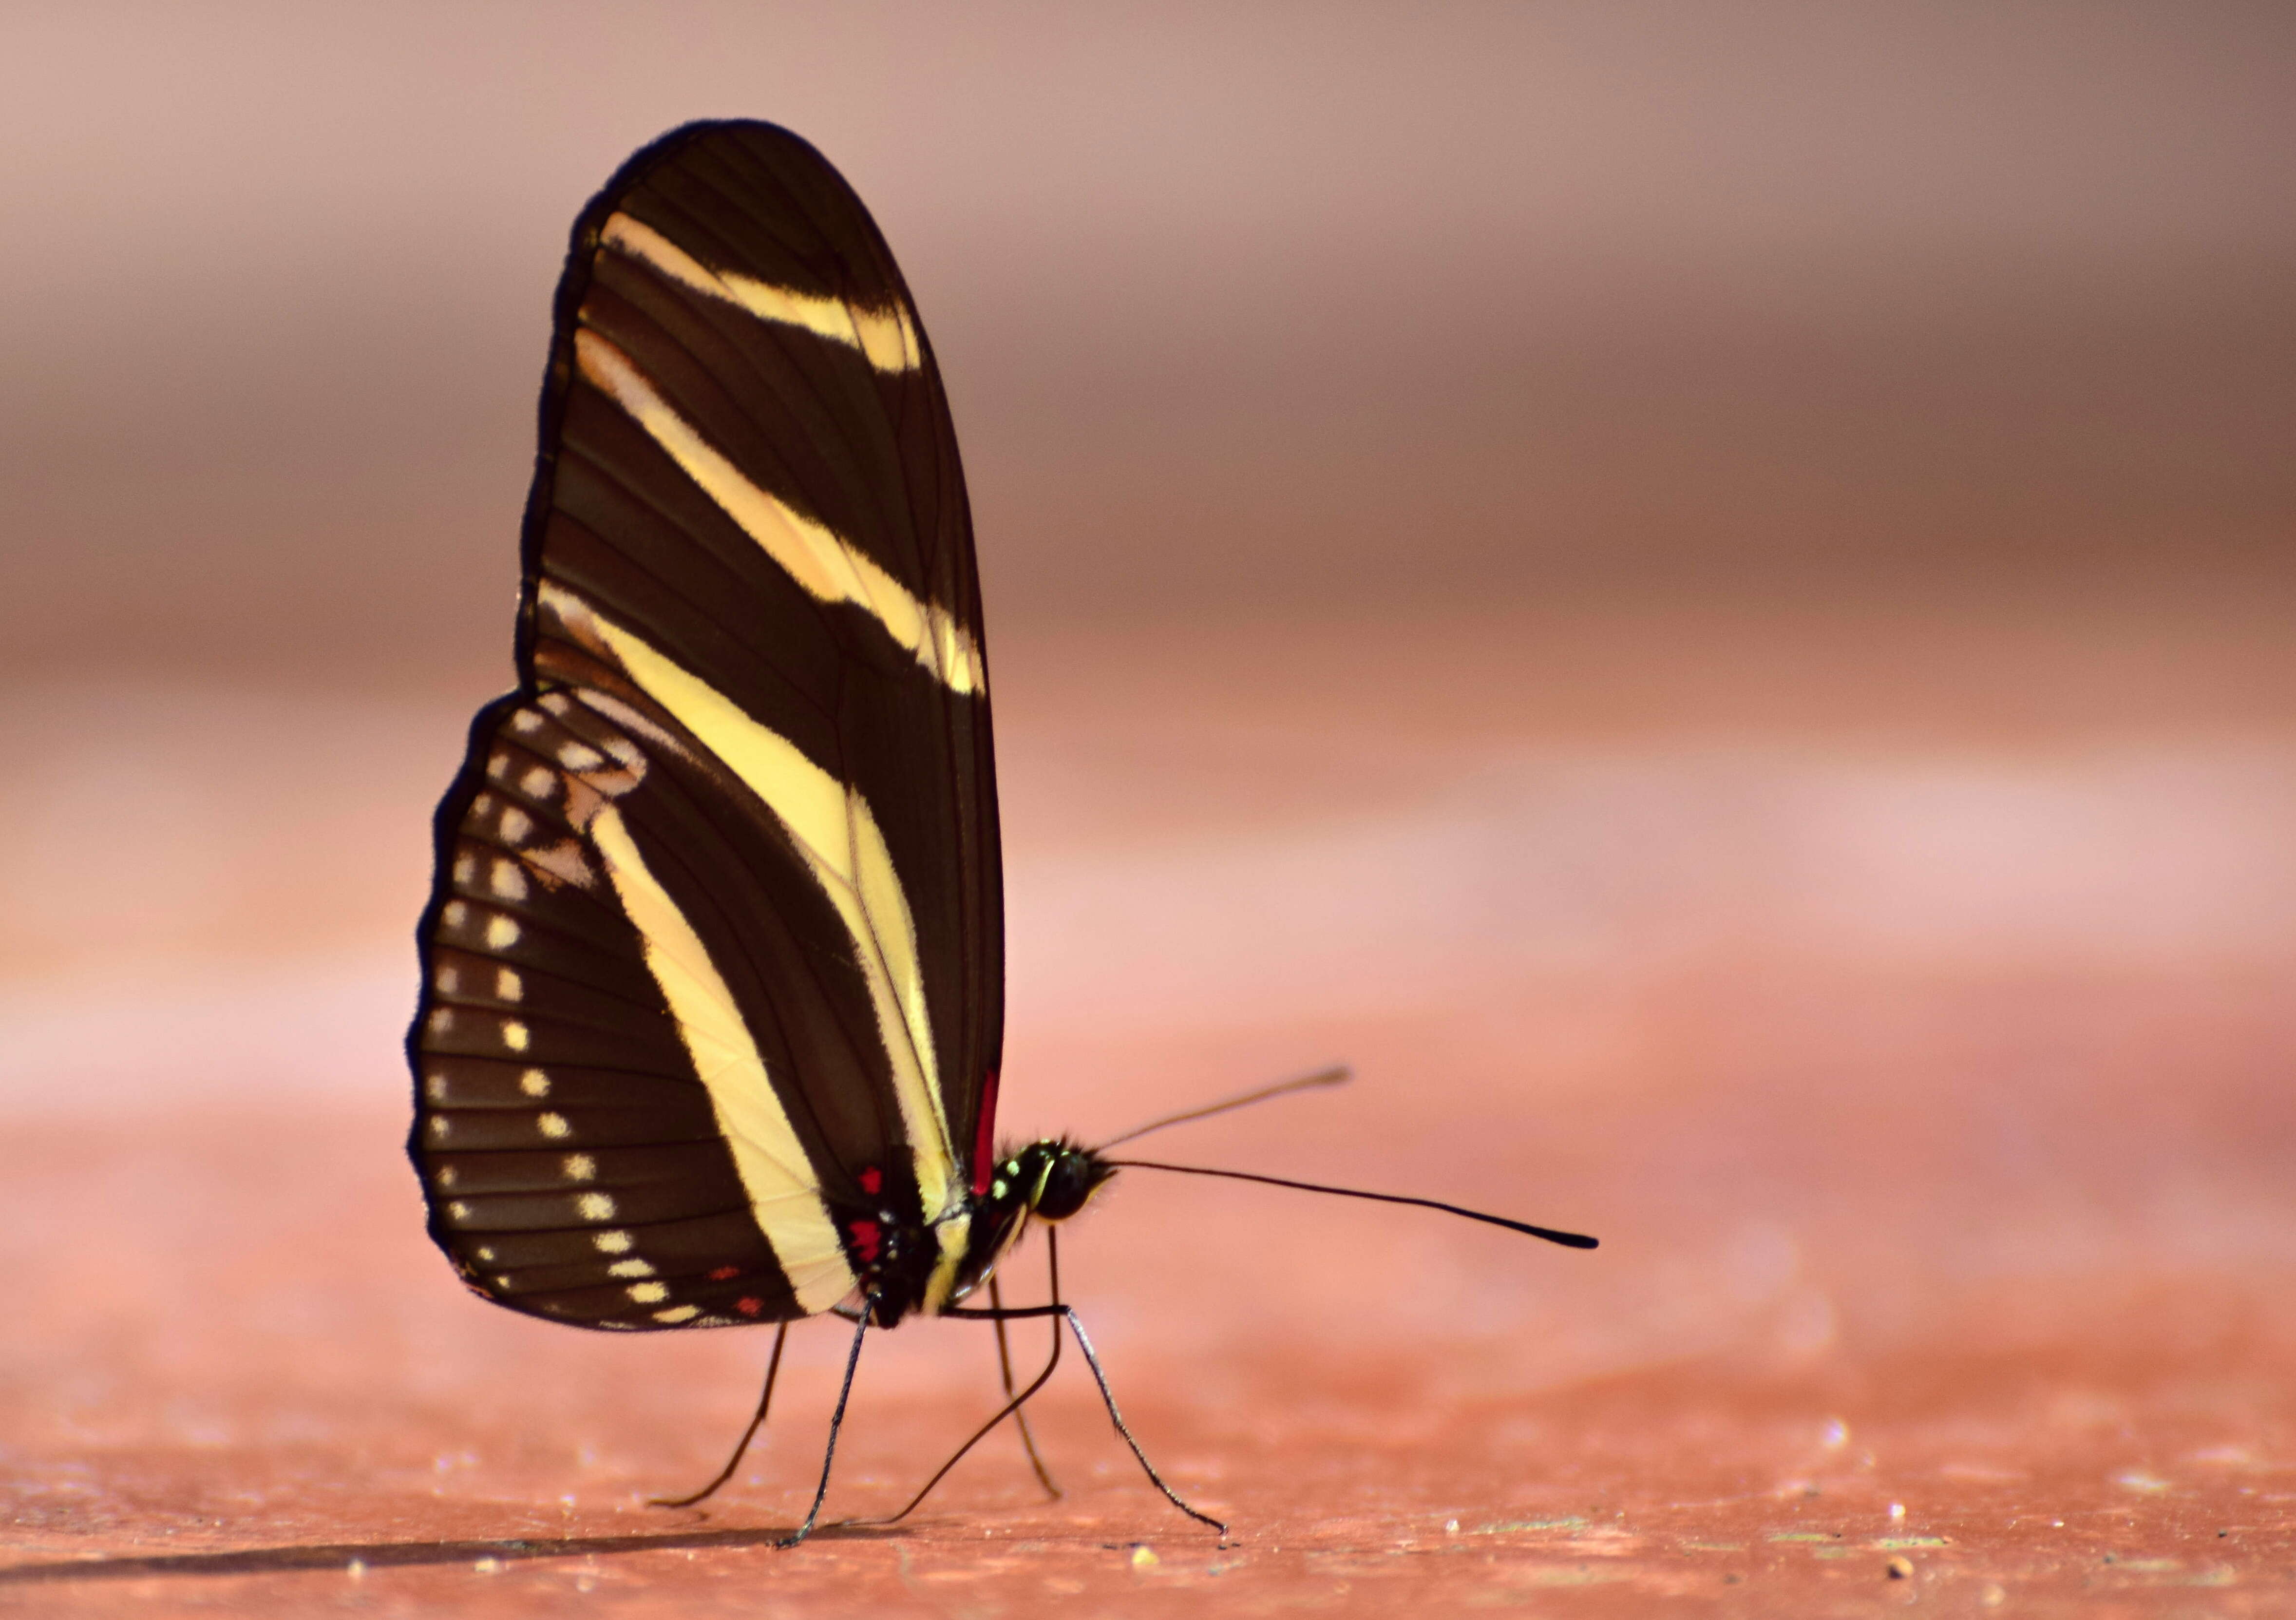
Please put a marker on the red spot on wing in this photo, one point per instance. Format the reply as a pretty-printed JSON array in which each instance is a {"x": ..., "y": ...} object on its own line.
[
  {"x": 724, "y": 1273},
  {"x": 873, "y": 1181},
  {"x": 867, "y": 1236},
  {"x": 748, "y": 1307},
  {"x": 984, "y": 1141}
]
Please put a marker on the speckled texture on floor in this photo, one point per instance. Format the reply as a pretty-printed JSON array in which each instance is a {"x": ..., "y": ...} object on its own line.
[{"x": 1928, "y": 1087}]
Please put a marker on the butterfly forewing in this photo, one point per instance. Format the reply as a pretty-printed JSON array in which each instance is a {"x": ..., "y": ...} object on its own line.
[{"x": 713, "y": 967}]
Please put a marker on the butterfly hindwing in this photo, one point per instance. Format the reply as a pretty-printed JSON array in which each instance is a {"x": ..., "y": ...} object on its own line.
[{"x": 713, "y": 968}]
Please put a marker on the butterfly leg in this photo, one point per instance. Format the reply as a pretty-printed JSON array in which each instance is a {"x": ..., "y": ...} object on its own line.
[
  {"x": 1107, "y": 1397},
  {"x": 773, "y": 1367},
  {"x": 836, "y": 1422},
  {"x": 996, "y": 1314},
  {"x": 1004, "y": 1372}
]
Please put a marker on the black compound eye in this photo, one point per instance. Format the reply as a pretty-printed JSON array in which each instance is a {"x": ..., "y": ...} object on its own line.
[{"x": 1070, "y": 1180}]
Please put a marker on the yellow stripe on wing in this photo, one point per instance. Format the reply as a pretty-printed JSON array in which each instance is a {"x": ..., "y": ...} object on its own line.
[
  {"x": 885, "y": 336},
  {"x": 833, "y": 830},
  {"x": 775, "y": 1172},
  {"x": 828, "y": 567}
]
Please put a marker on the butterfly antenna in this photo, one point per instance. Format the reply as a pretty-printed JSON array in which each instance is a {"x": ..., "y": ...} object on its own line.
[
  {"x": 1337, "y": 1075},
  {"x": 1569, "y": 1241}
]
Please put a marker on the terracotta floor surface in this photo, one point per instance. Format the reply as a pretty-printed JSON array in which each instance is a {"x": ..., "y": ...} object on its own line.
[{"x": 1929, "y": 1088}]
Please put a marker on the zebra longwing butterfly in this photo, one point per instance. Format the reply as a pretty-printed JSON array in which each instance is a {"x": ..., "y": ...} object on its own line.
[{"x": 713, "y": 966}]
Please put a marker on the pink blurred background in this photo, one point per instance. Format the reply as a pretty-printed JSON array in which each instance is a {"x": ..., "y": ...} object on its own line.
[{"x": 1703, "y": 591}]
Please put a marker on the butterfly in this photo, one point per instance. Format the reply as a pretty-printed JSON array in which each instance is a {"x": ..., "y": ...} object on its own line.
[{"x": 712, "y": 1002}]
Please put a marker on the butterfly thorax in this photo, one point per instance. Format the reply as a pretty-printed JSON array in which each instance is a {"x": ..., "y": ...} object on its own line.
[{"x": 1050, "y": 1181}]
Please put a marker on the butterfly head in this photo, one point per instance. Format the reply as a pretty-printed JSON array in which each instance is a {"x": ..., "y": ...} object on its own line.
[
  {"x": 1048, "y": 1180},
  {"x": 1051, "y": 1180}
]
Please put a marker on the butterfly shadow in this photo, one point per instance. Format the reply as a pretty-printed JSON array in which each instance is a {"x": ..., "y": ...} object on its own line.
[{"x": 341, "y": 1555}]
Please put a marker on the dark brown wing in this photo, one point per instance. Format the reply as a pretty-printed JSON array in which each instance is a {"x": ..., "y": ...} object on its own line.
[{"x": 713, "y": 970}]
